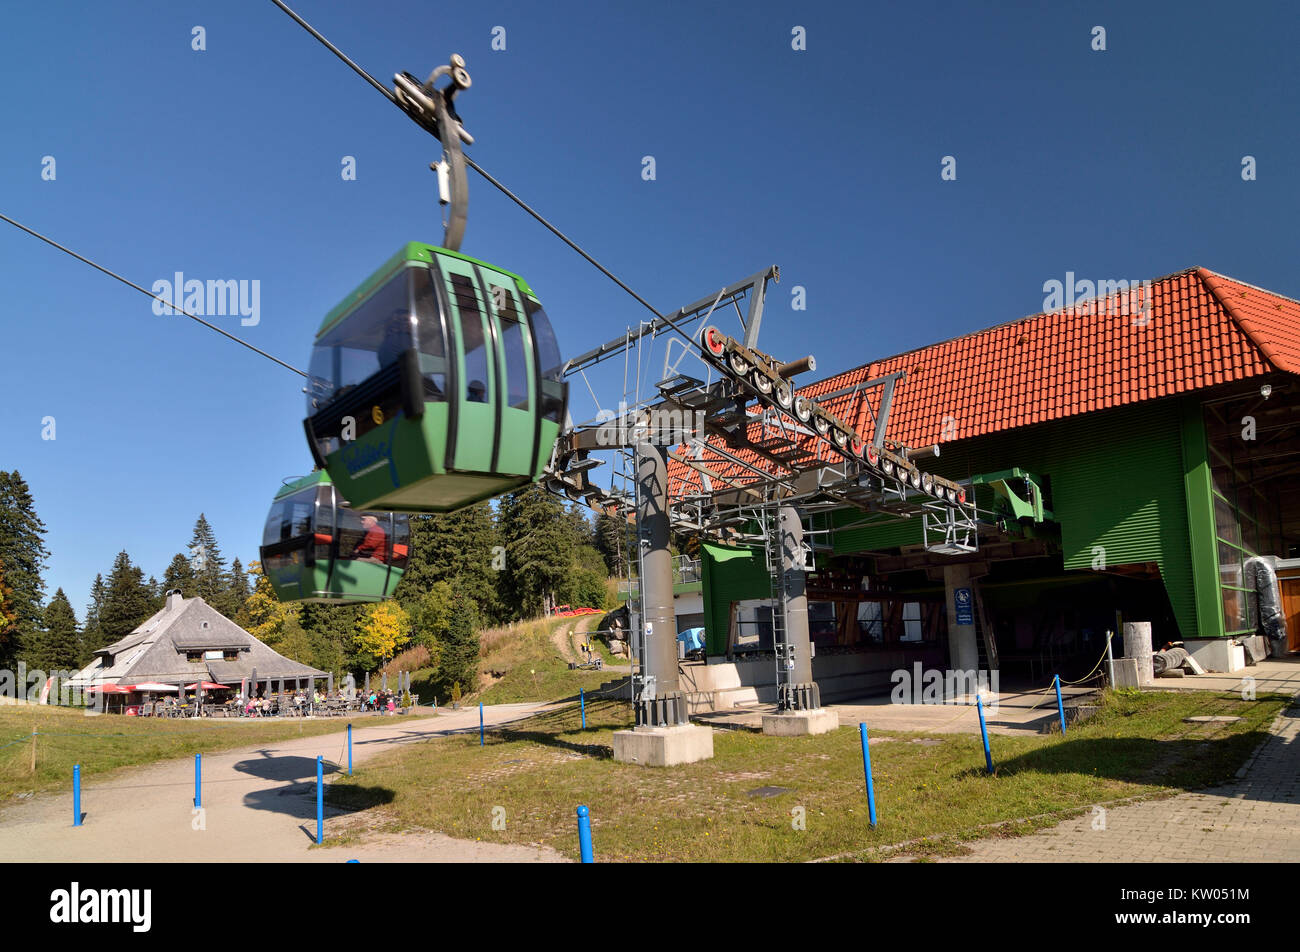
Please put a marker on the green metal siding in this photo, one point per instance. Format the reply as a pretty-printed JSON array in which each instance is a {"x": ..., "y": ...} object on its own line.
[
  {"x": 1200, "y": 513},
  {"x": 726, "y": 580},
  {"x": 1116, "y": 480}
]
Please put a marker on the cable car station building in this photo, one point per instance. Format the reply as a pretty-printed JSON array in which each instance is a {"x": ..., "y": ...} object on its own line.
[{"x": 1126, "y": 462}]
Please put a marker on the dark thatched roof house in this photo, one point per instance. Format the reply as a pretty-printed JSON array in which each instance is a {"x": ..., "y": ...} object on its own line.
[{"x": 186, "y": 642}]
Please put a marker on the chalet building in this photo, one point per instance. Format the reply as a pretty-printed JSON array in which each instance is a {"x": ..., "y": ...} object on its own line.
[
  {"x": 189, "y": 642},
  {"x": 1127, "y": 463}
]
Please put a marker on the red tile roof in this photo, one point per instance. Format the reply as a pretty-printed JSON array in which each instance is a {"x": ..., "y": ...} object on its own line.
[{"x": 1184, "y": 332}]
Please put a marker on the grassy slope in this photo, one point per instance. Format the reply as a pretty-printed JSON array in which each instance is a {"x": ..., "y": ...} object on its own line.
[
  {"x": 100, "y": 744},
  {"x": 926, "y": 786},
  {"x": 534, "y": 669}
]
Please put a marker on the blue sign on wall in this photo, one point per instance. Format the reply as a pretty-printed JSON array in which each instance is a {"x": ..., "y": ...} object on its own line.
[{"x": 965, "y": 609}]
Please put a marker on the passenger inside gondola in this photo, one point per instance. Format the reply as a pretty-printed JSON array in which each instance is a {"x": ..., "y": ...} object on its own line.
[{"x": 371, "y": 546}]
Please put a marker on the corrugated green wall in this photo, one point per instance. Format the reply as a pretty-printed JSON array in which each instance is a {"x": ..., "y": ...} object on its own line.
[{"x": 1116, "y": 481}]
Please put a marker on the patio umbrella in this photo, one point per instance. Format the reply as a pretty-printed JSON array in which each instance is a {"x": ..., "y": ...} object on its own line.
[
  {"x": 206, "y": 686},
  {"x": 111, "y": 688},
  {"x": 156, "y": 686}
]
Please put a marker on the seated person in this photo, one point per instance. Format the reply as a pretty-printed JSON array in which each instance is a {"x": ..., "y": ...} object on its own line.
[{"x": 372, "y": 546}]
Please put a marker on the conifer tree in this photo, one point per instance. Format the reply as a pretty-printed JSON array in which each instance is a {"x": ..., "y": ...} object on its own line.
[
  {"x": 56, "y": 645},
  {"x": 22, "y": 549},
  {"x": 127, "y": 600},
  {"x": 180, "y": 576},
  {"x": 209, "y": 567}
]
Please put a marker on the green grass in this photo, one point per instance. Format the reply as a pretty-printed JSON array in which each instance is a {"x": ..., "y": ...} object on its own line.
[
  {"x": 933, "y": 793},
  {"x": 534, "y": 669},
  {"x": 68, "y": 736}
]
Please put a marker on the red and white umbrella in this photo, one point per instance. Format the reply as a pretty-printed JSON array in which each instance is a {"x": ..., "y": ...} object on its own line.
[
  {"x": 206, "y": 685},
  {"x": 156, "y": 687},
  {"x": 110, "y": 689}
]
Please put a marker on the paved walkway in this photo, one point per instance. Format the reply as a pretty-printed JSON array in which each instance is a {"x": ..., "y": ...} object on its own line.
[
  {"x": 1253, "y": 819},
  {"x": 259, "y": 805}
]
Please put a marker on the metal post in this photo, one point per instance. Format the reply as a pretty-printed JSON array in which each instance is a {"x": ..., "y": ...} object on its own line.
[
  {"x": 660, "y": 703},
  {"x": 480, "y": 723},
  {"x": 76, "y": 795},
  {"x": 584, "y": 835},
  {"x": 320, "y": 800},
  {"x": 795, "y": 686},
  {"x": 198, "y": 780},
  {"x": 866, "y": 768},
  {"x": 1110, "y": 657},
  {"x": 349, "y": 750},
  {"x": 1060, "y": 707},
  {"x": 984, "y": 732},
  {"x": 582, "y": 700}
]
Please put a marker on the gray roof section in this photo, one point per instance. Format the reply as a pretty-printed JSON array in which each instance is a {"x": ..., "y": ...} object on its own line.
[{"x": 156, "y": 651}]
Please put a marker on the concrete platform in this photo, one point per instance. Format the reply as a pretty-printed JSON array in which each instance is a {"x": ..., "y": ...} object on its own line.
[
  {"x": 801, "y": 723},
  {"x": 664, "y": 746}
]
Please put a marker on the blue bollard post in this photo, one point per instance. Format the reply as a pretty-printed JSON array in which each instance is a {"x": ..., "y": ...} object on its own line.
[
  {"x": 76, "y": 795},
  {"x": 866, "y": 768},
  {"x": 198, "y": 780},
  {"x": 480, "y": 723},
  {"x": 984, "y": 732},
  {"x": 320, "y": 801},
  {"x": 1060, "y": 706},
  {"x": 584, "y": 835},
  {"x": 582, "y": 699},
  {"x": 349, "y": 750}
]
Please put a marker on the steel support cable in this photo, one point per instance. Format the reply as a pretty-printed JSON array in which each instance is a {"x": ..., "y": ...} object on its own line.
[
  {"x": 391, "y": 97},
  {"x": 131, "y": 284}
]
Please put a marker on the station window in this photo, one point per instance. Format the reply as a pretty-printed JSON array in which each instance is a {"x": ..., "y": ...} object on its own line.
[{"x": 913, "y": 630}]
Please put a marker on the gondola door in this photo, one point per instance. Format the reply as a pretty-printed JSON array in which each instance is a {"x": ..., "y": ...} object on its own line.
[
  {"x": 516, "y": 448},
  {"x": 473, "y": 445}
]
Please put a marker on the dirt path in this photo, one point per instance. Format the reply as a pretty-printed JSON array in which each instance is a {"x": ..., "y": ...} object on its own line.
[
  {"x": 563, "y": 644},
  {"x": 258, "y": 805}
]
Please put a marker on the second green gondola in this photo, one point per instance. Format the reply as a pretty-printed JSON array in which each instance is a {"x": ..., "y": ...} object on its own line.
[
  {"x": 315, "y": 548},
  {"x": 436, "y": 384}
]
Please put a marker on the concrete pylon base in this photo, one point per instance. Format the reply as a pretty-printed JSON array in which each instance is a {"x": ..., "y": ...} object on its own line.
[
  {"x": 800, "y": 723},
  {"x": 664, "y": 746}
]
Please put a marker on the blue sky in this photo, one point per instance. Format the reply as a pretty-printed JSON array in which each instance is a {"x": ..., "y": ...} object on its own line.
[{"x": 225, "y": 164}]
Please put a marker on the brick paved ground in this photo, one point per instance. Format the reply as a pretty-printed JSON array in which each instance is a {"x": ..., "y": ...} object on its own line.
[{"x": 1253, "y": 819}]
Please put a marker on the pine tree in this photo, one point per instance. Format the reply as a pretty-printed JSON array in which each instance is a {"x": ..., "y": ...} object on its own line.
[
  {"x": 92, "y": 635},
  {"x": 237, "y": 588},
  {"x": 56, "y": 645},
  {"x": 127, "y": 600},
  {"x": 460, "y": 654},
  {"x": 459, "y": 548},
  {"x": 540, "y": 538},
  {"x": 612, "y": 535},
  {"x": 23, "y": 552},
  {"x": 210, "y": 583},
  {"x": 180, "y": 576}
]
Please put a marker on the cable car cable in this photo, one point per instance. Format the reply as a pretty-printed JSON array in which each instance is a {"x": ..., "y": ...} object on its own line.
[
  {"x": 132, "y": 284},
  {"x": 391, "y": 97}
]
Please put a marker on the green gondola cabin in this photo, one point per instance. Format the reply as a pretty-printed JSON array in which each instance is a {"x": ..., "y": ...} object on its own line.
[
  {"x": 316, "y": 548},
  {"x": 436, "y": 384}
]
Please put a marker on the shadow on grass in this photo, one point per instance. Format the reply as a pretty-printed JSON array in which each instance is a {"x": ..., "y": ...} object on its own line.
[
  {"x": 555, "y": 728},
  {"x": 1192, "y": 764}
]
